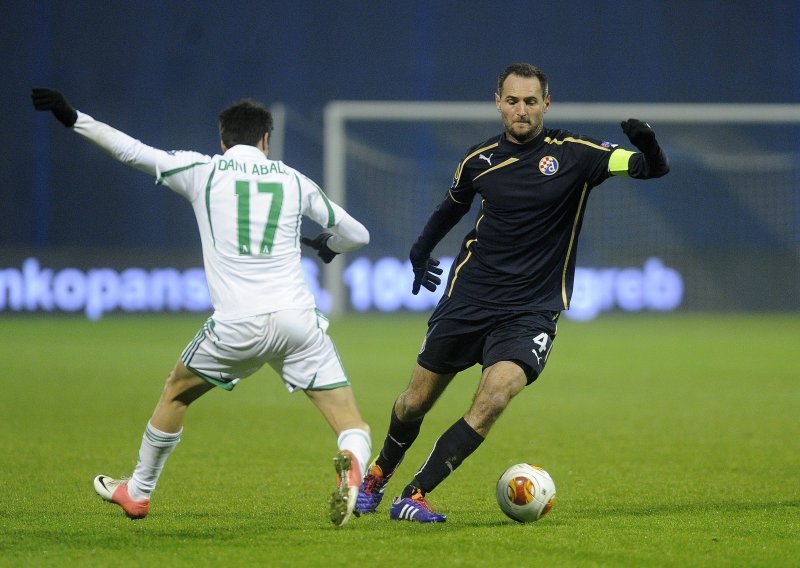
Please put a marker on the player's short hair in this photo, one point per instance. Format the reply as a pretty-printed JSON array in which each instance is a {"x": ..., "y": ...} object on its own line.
[
  {"x": 244, "y": 122},
  {"x": 523, "y": 70}
]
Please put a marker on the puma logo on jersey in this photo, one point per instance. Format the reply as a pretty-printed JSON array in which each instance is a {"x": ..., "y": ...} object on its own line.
[{"x": 488, "y": 160}]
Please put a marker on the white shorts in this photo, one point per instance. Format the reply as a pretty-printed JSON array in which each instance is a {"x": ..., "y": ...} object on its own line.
[{"x": 293, "y": 342}]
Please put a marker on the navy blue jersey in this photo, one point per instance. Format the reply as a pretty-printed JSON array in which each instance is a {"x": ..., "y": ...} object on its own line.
[{"x": 520, "y": 255}]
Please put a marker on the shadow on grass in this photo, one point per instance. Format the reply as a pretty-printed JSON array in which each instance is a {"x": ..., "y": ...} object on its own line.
[{"x": 555, "y": 519}]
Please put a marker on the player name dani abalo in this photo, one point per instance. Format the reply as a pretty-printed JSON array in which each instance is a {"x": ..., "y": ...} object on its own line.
[{"x": 251, "y": 168}]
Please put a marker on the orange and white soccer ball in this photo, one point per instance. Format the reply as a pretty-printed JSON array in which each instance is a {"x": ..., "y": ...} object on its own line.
[{"x": 525, "y": 492}]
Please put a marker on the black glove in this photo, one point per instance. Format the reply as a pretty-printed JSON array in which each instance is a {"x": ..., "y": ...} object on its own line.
[
  {"x": 426, "y": 271},
  {"x": 641, "y": 135},
  {"x": 48, "y": 99},
  {"x": 319, "y": 243}
]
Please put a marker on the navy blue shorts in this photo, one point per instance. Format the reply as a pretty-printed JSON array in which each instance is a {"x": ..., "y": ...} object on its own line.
[{"x": 461, "y": 335}]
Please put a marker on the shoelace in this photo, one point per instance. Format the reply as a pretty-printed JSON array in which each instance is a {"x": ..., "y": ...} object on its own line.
[
  {"x": 111, "y": 482},
  {"x": 421, "y": 502},
  {"x": 374, "y": 483}
]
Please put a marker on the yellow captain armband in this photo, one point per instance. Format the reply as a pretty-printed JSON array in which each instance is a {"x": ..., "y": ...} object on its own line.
[{"x": 618, "y": 162}]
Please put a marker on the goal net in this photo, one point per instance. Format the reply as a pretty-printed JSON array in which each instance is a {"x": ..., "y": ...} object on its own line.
[{"x": 720, "y": 232}]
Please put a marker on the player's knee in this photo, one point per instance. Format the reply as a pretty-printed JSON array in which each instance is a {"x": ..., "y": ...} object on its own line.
[
  {"x": 172, "y": 389},
  {"x": 183, "y": 386},
  {"x": 498, "y": 402},
  {"x": 412, "y": 405},
  {"x": 492, "y": 404},
  {"x": 174, "y": 381},
  {"x": 493, "y": 401}
]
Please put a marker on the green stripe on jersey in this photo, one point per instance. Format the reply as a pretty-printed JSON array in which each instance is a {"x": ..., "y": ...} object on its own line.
[
  {"x": 331, "y": 217},
  {"x": 208, "y": 204},
  {"x": 299, "y": 219},
  {"x": 168, "y": 173}
]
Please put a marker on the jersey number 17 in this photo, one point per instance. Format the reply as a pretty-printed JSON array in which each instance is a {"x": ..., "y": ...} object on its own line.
[{"x": 243, "y": 215}]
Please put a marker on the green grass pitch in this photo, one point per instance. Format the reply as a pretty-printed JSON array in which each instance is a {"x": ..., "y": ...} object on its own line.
[{"x": 673, "y": 441}]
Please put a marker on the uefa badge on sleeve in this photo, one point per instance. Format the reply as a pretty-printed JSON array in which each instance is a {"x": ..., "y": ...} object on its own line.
[{"x": 548, "y": 165}]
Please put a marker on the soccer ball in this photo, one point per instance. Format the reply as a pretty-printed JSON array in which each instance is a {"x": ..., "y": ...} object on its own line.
[{"x": 525, "y": 492}]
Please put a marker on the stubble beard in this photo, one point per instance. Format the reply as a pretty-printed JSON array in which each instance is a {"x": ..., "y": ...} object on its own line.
[{"x": 531, "y": 133}]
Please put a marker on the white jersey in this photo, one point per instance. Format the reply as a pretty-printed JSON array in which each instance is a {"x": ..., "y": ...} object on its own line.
[{"x": 248, "y": 210}]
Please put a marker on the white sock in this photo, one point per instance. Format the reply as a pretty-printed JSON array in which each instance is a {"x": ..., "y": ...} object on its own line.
[
  {"x": 156, "y": 447},
  {"x": 358, "y": 442}
]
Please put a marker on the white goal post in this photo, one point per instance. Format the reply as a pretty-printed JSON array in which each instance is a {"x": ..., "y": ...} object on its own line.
[{"x": 337, "y": 114}]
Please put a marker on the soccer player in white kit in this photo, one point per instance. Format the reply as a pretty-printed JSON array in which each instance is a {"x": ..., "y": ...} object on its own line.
[{"x": 248, "y": 211}]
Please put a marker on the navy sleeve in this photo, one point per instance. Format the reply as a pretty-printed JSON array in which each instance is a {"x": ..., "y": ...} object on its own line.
[
  {"x": 444, "y": 217},
  {"x": 642, "y": 166}
]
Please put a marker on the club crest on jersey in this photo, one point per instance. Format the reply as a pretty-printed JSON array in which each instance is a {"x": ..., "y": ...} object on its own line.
[{"x": 548, "y": 165}]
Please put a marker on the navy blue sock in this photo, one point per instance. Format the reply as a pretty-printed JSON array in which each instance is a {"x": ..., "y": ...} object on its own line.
[
  {"x": 399, "y": 438},
  {"x": 452, "y": 448}
]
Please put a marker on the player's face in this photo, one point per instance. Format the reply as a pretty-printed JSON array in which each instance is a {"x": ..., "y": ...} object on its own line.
[{"x": 522, "y": 106}]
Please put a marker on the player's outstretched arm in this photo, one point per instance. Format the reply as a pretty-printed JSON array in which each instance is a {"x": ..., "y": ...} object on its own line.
[
  {"x": 121, "y": 146},
  {"x": 651, "y": 161},
  {"x": 55, "y": 102}
]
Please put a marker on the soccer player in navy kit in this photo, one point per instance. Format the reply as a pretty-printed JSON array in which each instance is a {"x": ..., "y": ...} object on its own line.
[{"x": 510, "y": 281}]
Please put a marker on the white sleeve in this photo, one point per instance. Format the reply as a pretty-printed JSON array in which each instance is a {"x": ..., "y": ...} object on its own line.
[
  {"x": 174, "y": 169},
  {"x": 121, "y": 146},
  {"x": 348, "y": 235}
]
